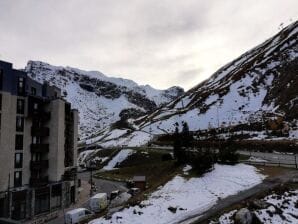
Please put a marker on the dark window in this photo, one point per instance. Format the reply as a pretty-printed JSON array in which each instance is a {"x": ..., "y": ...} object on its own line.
[
  {"x": 0, "y": 101},
  {"x": 20, "y": 124},
  {"x": 35, "y": 106},
  {"x": 1, "y": 78},
  {"x": 18, "y": 179},
  {"x": 36, "y": 140},
  {"x": 18, "y": 160},
  {"x": 33, "y": 91},
  {"x": 20, "y": 106},
  {"x": 42, "y": 200},
  {"x": 36, "y": 156},
  {"x": 21, "y": 86},
  {"x": 19, "y": 142},
  {"x": 56, "y": 196}
]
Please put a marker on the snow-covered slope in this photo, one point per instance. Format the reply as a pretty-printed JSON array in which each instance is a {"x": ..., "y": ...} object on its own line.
[
  {"x": 263, "y": 80},
  {"x": 257, "y": 87},
  {"x": 101, "y": 100},
  {"x": 188, "y": 197}
]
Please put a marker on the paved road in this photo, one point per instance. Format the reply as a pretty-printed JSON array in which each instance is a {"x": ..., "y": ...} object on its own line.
[
  {"x": 273, "y": 157},
  {"x": 106, "y": 186},
  {"x": 268, "y": 183}
]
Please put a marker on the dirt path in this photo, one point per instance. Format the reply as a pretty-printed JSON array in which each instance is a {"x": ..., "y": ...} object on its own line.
[{"x": 267, "y": 184}]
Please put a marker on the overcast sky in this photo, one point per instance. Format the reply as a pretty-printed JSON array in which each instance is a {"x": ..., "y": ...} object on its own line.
[{"x": 157, "y": 42}]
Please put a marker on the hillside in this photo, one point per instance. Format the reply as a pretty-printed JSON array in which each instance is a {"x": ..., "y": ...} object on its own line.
[
  {"x": 102, "y": 101},
  {"x": 256, "y": 93}
]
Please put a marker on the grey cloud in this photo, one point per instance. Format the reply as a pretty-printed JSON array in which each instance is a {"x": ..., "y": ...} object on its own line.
[{"x": 155, "y": 42}]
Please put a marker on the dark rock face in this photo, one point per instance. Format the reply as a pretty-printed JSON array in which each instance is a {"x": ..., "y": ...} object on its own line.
[
  {"x": 141, "y": 101},
  {"x": 131, "y": 113}
]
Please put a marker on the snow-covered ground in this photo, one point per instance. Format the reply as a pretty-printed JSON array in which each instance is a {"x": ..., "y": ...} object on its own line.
[
  {"x": 281, "y": 209},
  {"x": 186, "y": 197},
  {"x": 137, "y": 138},
  {"x": 256, "y": 159},
  {"x": 226, "y": 218},
  {"x": 120, "y": 157}
]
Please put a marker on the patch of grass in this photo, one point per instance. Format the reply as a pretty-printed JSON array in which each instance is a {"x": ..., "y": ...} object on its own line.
[
  {"x": 272, "y": 171},
  {"x": 243, "y": 157},
  {"x": 107, "y": 152},
  {"x": 141, "y": 157},
  {"x": 152, "y": 171}
]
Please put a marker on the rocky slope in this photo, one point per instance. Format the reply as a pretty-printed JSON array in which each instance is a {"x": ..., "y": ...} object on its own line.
[
  {"x": 258, "y": 87},
  {"x": 102, "y": 101}
]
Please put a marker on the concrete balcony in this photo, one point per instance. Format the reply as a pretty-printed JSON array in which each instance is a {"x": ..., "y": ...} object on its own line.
[
  {"x": 39, "y": 165},
  {"x": 39, "y": 181},
  {"x": 39, "y": 148},
  {"x": 40, "y": 131}
]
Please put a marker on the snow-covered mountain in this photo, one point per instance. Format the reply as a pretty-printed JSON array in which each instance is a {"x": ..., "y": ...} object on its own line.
[
  {"x": 101, "y": 100},
  {"x": 260, "y": 84},
  {"x": 264, "y": 79}
]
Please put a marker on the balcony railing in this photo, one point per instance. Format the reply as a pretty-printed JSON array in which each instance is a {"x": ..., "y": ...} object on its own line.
[
  {"x": 40, "y": 131},
  {"x": 38, "y": 181},
  {"x": 38, "y": 165},
  {"x": 44, "y": 116},
  {"x": 39, "y": 148}
]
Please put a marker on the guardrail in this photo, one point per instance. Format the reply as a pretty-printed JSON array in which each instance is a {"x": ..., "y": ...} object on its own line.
[{"x": 268, "y": 163}]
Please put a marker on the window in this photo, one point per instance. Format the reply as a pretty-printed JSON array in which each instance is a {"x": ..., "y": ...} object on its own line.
[
  {"x": 1, "y": 78},
  {"x": 36, "y": 157},
  {"x": 21, "y": 86},
  {"x": 33, "y": 91},
  {"x": 42, "y": 200},
  {"x": 35, "y": 106},
  {"x": 18, "y": 179},
  {"x": 18, "y": 160},
  {"x": 20, "y": 106},
  {"x": 19, "y": 142},
  {"x": 20, "y": 124},
  {"x": 56, "y": 195},
  {"x": 36, "y": 140}
]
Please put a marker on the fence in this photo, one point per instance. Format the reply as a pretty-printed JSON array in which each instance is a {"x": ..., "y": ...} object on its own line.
[{"x": 270, "y": 163}]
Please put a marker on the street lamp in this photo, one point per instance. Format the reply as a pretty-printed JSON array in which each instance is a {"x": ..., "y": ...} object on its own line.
[{"x": 91, "y": 166}]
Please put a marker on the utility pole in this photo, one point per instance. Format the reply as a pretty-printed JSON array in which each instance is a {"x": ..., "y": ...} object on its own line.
[
  {"x": 8, "y": 197},
  {"x": 91, "y": 182}
]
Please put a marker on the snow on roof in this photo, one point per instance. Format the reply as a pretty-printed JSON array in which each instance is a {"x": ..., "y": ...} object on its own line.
[
  {"x": 100, "y": 195},
  {"x": 139, "y": 178},
  {"x": 75, "y": 211}
]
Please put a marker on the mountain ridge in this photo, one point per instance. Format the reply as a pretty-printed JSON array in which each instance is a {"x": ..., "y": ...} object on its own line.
[
  {"x": 99, "y": 98},
  {"x": 257, "y": 87}
]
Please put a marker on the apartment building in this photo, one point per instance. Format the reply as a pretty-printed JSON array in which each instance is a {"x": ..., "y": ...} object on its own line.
[{"x": 38, "y": 147}]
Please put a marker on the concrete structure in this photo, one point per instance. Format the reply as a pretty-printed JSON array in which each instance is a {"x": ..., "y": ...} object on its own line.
[{"x": 38, "y": 147}]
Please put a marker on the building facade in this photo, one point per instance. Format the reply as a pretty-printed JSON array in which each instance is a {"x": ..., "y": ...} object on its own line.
[{"x": 38, "y": 147}]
